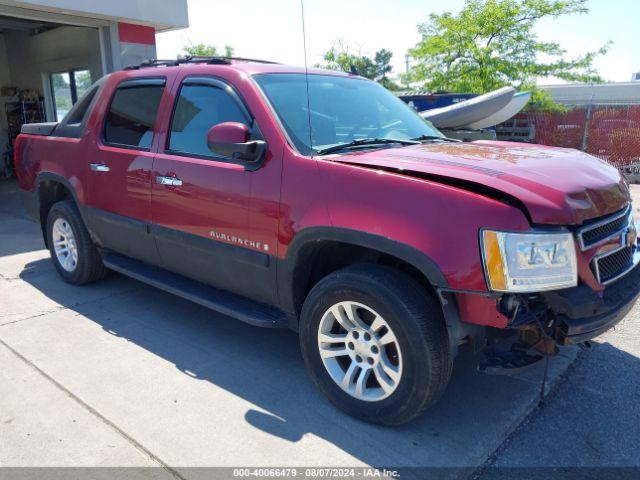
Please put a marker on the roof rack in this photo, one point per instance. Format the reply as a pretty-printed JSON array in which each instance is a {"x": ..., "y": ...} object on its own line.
[
  {"x": 220, "y": 60},
  {"x": 207, "y": 60},
  {"x": 194, "y": 59},
  {"x": 153, "y": 62},
  {"x": 256, "y": 60}
]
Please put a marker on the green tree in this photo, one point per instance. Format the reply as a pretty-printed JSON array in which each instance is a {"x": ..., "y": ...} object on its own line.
[
  {"x": 340, "y": 58},
  {"x": 60, "y": 80},
  {"x": 205, "y": 50},
  {"x": 382, "y": 62},
  {"x": 492, "y": 43},
  {"x": 83, "y": 81}
]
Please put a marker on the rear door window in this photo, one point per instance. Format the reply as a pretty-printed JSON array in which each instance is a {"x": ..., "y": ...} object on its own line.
[{"x": 133, "y": 112}]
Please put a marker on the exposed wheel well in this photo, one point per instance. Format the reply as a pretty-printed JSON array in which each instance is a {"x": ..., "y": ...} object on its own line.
[
  {"x": 319, "y": 259},
  {"x": 49, "y": 193}
]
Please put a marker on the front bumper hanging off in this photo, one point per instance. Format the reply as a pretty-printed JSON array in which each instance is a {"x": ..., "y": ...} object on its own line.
[{"x": 581, "y": 314}]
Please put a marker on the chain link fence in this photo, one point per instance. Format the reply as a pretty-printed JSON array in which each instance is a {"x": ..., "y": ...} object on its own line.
[{"x": 610, "y": 132}]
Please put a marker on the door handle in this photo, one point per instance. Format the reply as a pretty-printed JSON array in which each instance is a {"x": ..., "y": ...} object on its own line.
[
  {"x": 99, "y": 167},
  {"x": 169, "y": 181}
]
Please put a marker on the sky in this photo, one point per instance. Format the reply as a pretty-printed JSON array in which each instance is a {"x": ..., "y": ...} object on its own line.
[{"x": 272, "y": 30}]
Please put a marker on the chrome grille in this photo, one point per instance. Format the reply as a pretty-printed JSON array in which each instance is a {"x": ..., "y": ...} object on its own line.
[
  {"x": 604, "y": 230},
  {"x": 612, "y": 265}
]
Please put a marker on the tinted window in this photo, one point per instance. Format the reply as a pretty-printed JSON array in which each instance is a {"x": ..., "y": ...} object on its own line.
[
  {"x": 132, "y": 114},
  {"x": 198, "y": 109},
  {"x": 80, "y": 109}
]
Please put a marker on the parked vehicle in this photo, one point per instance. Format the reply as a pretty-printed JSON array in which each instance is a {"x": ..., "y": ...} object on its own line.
[
  {"x": 323, "y": 203},
  {"x": 631, "y": 172}
]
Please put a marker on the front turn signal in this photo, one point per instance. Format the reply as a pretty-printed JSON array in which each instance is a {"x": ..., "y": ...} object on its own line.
[{"x": 493, "y": 261}]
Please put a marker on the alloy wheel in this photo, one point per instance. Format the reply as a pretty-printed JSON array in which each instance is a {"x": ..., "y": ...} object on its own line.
[
  {"x": 360, "y": 351},
  {"x": 64, "y": 244}
]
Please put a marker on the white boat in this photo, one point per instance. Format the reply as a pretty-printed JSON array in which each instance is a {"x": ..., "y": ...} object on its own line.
[
  {"x": 516, "y": 104},
  {"x": 470, "y": 111}
]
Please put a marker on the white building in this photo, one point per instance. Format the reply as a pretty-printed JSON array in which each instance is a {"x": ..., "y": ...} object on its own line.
[
  {"x": 619, "y": 93},
  {"x": 52, "y": 48}
]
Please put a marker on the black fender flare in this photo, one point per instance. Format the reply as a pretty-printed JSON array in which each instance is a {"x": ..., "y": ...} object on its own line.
[
  {"x": 421, "y": 261},
  {"x": 54, "y": 177}
]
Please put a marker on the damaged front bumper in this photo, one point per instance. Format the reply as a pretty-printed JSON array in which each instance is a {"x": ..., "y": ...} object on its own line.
[
  {"x": 581, "y": 314},
  {"x": 539, "y": 323}
]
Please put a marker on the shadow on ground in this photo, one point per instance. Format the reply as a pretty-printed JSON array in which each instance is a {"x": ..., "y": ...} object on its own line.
[
  {"x": 18, "y": 234},
  {"x": 265, "y": 368}
]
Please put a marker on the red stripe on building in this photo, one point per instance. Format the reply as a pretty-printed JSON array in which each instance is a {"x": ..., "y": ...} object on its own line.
[{"x": 131, "y": 33}]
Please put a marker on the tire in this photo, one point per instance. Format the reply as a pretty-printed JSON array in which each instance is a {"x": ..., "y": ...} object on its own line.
[
  {"x": 418, "y": 362},
  {"x": 88, "y": 266}
]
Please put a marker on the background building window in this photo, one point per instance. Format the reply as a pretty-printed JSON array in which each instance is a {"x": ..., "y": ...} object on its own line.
[{"x": 67, "y": 87}]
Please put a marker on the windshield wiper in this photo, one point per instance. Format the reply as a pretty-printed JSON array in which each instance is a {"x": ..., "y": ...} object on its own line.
[
  {"x": 423, "y": 138},
  {"x": 365, "y": 142}
]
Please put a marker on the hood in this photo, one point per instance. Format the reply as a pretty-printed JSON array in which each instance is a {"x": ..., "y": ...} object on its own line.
[{"x": 557, "y": 186}]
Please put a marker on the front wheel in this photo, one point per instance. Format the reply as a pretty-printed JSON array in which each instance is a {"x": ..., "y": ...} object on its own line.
[{"x": 375, "y": 343}]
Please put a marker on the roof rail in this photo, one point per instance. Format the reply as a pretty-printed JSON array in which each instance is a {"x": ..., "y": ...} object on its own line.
[
  {"x": 256, "y": 60},
  {"x": 204, "y": 59},
  {"x": 153, "y": 62},
  {"x": 220, "y": 60}
]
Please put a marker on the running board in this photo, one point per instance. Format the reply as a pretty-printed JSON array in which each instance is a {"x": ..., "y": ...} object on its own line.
[{"x": 223, "y": 302}]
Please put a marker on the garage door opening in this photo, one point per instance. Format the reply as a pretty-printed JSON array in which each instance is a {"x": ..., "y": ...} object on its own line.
[{"x": 44, "y": 69}]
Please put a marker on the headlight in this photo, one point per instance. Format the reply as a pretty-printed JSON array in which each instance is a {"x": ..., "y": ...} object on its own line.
[{"x": 529, "y": 262}]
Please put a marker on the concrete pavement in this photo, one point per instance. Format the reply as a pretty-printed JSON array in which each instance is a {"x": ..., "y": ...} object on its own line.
[
  {"x": 151, "y": 379},
  {"x": 593, "y": 419}
]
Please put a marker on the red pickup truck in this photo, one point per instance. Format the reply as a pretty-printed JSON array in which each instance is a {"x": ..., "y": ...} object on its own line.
[{"x": 321, "y": 202}]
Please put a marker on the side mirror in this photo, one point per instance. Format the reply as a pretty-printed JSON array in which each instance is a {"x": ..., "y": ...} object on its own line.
[{"x": 231, "y": 139}]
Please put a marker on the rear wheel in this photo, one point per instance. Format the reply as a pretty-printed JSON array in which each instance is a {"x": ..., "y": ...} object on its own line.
[
  {"x": 375, "y": 343},
  {"x": 73, "y": 253}
]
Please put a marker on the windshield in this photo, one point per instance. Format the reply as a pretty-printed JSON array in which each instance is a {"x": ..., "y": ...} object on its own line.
[{"x": 343, "y": 109}]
